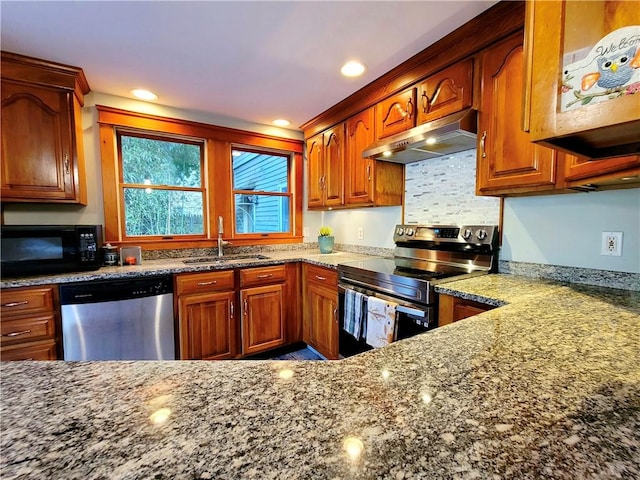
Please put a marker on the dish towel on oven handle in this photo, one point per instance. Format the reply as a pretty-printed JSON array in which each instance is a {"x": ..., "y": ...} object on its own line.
[
  {"x": 354, "y": 313},
  {"x": 381, "y": 322}
]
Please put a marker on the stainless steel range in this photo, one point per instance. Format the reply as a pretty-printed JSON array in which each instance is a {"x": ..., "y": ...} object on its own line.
[{"x": 424, "y": 256}]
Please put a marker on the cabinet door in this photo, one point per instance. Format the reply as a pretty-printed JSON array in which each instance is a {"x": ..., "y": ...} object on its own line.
[
  {"x": 37, "y": 144},
  {"x": 334, "y": 152},
  {"x": 207, "y": 326},
  {"x": 396, "y": 113},
  {"x": 581, "y": 168},
  {"x": 452, "y": 309},
  {"x": 359, "y": 171},
  {"x": 323, "y": 325},
  {"x": 45, "y": 350},
  {"x": 446, "y": 92},
  {"x": 315, "y": 170},
  {"x": 262, "y": 318},
  {"x": 507, "y": 160}
]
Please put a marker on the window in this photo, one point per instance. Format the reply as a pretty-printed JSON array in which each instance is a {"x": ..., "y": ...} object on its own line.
[
  {"x": 162, "y": 186},
  {"x": 166, "y": 181},
  {"x": 262, "y": 197}
]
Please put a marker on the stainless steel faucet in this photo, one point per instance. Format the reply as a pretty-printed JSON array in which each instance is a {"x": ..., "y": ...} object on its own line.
[{"x": 221, "y": 242}]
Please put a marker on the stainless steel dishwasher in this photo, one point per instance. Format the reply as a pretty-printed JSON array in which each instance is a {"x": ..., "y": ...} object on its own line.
[{"x": 128, "y": 319}]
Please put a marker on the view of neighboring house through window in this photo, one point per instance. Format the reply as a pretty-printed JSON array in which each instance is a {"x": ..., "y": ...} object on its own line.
[
  {"x": 162, "y": 185},
  {"x": 262, "y": 196}
]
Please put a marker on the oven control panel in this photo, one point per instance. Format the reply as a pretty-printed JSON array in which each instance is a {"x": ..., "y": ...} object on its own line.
[{"x": 477, "y": 234}]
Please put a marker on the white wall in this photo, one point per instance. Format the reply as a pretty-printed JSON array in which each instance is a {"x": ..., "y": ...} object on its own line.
[
  {"x": 377, "y": 225},
  {"x": 50, "y": 214},
  {"x": 567, "y": 229}
]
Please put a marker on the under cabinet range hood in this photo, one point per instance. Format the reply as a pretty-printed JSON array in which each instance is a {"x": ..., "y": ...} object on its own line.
[{"x": 451, "y": 134}]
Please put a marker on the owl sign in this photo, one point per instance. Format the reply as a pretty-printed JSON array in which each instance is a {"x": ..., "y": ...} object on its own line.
[{"x": 610, "y": 70}]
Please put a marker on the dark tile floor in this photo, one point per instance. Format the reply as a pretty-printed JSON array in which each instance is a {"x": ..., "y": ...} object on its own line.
[{"x": 302, "y": 354}]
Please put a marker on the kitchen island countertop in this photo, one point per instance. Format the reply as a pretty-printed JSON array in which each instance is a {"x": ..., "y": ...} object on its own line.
[{"x": 546, "y": 386}]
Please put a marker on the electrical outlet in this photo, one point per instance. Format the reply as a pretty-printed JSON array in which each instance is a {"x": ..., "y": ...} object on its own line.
[
  {"x": 305, "y": 231},
  {"x": 611, "y": 244},
  {"x": 360, "y": 233}
]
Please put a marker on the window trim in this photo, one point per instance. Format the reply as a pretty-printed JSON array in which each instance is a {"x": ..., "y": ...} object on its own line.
[{"x": 218, "y": 143}]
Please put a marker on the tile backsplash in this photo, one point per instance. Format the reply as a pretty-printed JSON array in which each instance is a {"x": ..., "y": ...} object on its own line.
[{"x": 442, "y": 191}]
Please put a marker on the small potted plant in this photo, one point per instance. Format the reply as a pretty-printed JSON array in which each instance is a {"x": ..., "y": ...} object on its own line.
[{"x": 325, "y": 240}]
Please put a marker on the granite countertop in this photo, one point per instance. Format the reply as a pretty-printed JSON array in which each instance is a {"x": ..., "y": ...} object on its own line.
[
  {"x": 546, "y": 386},
  {"x": 177, "y": 265}
]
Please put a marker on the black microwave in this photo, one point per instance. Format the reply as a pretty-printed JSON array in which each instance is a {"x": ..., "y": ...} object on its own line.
[{"x": 45, "y": 249}]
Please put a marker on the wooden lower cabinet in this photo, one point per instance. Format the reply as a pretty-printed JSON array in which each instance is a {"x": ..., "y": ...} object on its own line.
[
  {"x": 320, "y": 309},
  {"x": 208, "y": 328},
  {"x": 207, "y": 318},
  {"x": 44, "y": 350},
  {"x": 262, "y": 318},
  {"x": 451, "y": 309},
  {"x": 30, "y": 324}
]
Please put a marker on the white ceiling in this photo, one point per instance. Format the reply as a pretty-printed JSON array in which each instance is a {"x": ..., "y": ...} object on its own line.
[{"x": 248, "y": 60}]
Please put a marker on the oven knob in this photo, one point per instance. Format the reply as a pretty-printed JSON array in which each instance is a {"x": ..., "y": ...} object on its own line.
[
  {"x": 399, "y": 231},
  {"x": 466, "y": 234},
  {"x": 481, "y": 234},
  {"x": 409, "y": 231}
]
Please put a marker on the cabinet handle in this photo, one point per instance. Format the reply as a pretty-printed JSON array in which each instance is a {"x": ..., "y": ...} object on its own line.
[
  {"x": 321, "y": 278},
  {"x": 335, "y": 314},
  {"x": 369, "y": 172},
  {"x": 409, "y": 109},
  {"x": 15, "y": 304},
  {"x": 231, "y": 308},
  {"x": 425, "y": 102},
  {"x": 266, "y": 275},
  {"x": 204, "y": 284},
  {"x": 15, "y": 334},
  {"x": 246, "y": 307},
  {"x": 66, "y": 163},
  {"x": 482, "y": 143}
]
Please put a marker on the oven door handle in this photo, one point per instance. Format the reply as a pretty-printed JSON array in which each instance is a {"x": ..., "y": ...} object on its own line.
[
  {"x": 400, "y": 308},
  {"x": 366, "y": 286},
  {"x": 411, "y": 311}
]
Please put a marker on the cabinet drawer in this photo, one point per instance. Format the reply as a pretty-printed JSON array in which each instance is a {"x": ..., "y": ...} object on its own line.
[
  {"x": 321, "y": 275},
  {"x": 25, "y": 301},
  {"x": 205, "y": 282},
  {"x": 45, "y": 350},
  {"x": 23, "y": 329},
  {"x": 262, "y": 275}
]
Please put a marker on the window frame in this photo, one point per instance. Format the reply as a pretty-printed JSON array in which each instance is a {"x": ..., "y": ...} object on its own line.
[
  {"x": 218, "y": 177},
  {"x": 119, "y": 132},
  {"x": 289, "y": 194}
]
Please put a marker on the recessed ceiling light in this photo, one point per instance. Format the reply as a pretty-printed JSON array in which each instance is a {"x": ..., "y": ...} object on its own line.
[
  {"x": 352, "y": 69},
  {"x": 281, "y": 122},
  {"x": 143, "y": 94}
]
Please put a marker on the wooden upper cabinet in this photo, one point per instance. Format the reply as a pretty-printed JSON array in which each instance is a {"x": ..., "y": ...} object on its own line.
[
  {"x": 396, "y": 113},
  {"x": 359, "y": 170},
  {"x": 590, "y": 111},
  {"x": 42, "y": 141},
  {"x": 507, "y": 161},
  {"x": 315, "y": 170},
  {"x": 334, "y": 152},
  {"x": 446, "y": 92},
  {"x": 619, "y": 171},
  {"x": 325, "y": 163}
]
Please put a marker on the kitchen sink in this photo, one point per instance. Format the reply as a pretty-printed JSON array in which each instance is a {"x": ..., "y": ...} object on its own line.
[{"x": 225, "y": 259}]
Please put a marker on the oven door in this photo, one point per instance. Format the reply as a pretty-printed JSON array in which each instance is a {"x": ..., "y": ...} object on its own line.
[{"x": 412, "y": 319}]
